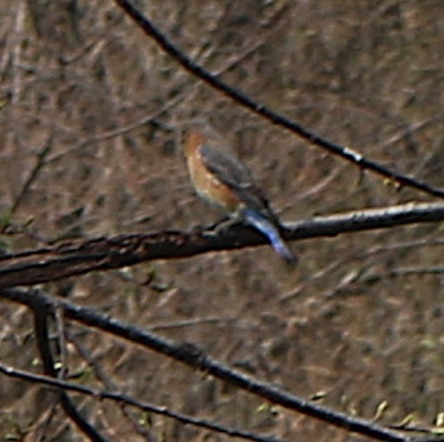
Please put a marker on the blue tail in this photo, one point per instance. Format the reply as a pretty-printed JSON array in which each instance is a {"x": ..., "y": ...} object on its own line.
[{"x": 266, "y": 227}]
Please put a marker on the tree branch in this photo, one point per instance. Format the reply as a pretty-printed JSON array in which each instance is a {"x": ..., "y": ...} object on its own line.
[
  {"x": 192, "y": 356},
  {"x": 258, "y": 108},
  {"x": 41, "y": 316},
  {"x": 124, "y": 399},
  {"x": 76, "y": 258}
]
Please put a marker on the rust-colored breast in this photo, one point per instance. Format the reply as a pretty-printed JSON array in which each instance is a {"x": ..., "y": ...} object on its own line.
[{"x": 206, "y": 183}]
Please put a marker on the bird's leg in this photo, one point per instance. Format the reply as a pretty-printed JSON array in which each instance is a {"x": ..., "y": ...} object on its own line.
[
  {"x": 225, "y": 223},
  {"x": 214, "y": 227}
]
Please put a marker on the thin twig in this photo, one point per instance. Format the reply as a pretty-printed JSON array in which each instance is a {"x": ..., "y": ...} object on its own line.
[
  {"x": 192, "y": 356},
  {"x": 34, "y": 173},
  {"x": 128, "y": 400},
  {"x": 41, "y": 316}
]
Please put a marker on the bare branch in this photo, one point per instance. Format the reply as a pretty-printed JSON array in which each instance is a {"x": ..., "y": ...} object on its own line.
[
  {"x": 33, "y": 174},
  {"x": 41, "y": 316},
  {"x": 194, "y": 357},
  {"x": 76, "y": 258},
  {"x": 268, "y": 113},
  {"x": 128, "y": 400}
]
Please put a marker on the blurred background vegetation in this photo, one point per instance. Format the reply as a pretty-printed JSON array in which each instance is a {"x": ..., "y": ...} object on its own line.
[{"x": 359, "y": 322}]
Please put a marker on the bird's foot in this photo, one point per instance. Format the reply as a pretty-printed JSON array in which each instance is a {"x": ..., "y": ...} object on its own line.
[{"x": 215, "y": 228}]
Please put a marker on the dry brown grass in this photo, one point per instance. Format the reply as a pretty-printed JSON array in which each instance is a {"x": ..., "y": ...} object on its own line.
[{"x": 365, "y": 74}]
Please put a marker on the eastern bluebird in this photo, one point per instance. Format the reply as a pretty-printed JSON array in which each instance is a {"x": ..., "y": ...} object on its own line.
[{"x": 222, "y": 180}]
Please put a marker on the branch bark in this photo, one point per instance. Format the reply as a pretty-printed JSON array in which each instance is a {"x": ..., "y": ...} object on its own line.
[
  {"x": 75, "y": 258},
  {"x": 260, "y": 109},
  {"x": 194, "y": 357}
]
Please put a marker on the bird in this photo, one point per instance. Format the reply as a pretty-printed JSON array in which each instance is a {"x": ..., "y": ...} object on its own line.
[{"x": 221, "y": 179}]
